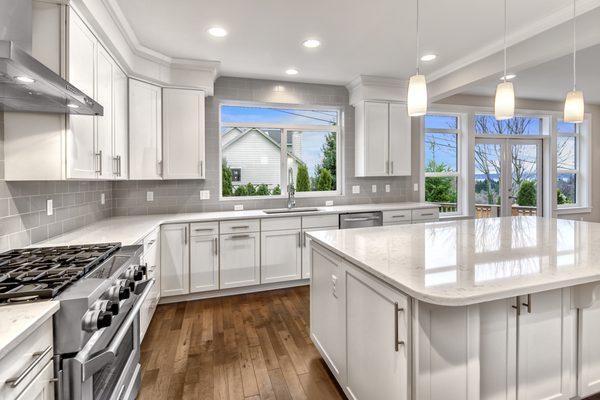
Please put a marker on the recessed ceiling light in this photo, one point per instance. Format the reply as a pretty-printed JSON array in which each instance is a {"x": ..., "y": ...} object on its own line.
[
  {"x": 291, "y": 71},
  {"x": 311, "y": 43},
  {"x": 217, "y": 31},
  {"x": 71, "y": 105},
  {"x": 428, "y": 57},
  {"x": 24, "y": 79},
  {"x": 508, "y": 77}
]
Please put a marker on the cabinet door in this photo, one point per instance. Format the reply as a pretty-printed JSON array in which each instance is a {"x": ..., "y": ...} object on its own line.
[
  {"x": 145, "y": 141},
  {"x": 546, "y": 347},
  {"x": 306, "y": 253},
  {"x": 183, "y": 134},
  {"x": 400, "y": 139},
  {"x": 589, "y": 351},
  {"x": 281, "y": 255},
  {"x": 204, "y": 263},
  {"x": 377, "y": 367},
  {"x": 120, "y": 164},
  {"x": 42, "y": 387},
  {"x": 376, "y": 138},
  {"x": 240, "y": 260},
  {"x": 174, "y": 260},
  {"x": 81, "y": 160},
  {"x": 104, "y": 124}
]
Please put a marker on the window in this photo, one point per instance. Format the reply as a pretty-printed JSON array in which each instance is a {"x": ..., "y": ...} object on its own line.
[
  {"x": 486, "y": 124},
  {"x": 260, "y": 145},
  {"x": 441, "y": 143},
  {"x": 567, "y": 163}
]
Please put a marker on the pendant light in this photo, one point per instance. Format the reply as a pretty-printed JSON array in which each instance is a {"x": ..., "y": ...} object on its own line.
[
  {"x": 574, "y": 104},
  {"x": 504, "y": 105},
  {"x": 417, "y": 86}
]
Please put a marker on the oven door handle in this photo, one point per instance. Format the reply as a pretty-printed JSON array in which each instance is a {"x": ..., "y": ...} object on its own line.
[{"x": 96, "y": 363}]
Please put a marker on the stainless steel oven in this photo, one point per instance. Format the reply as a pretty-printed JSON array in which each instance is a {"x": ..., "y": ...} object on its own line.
[{"x": 108, "y": 366}]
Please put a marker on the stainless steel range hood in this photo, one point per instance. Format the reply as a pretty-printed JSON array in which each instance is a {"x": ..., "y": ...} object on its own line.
[{"x": 25, "y": 83}]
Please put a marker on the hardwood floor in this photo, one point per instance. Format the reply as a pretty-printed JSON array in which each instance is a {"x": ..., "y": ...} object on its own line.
[{"x": 253, "y": 346}]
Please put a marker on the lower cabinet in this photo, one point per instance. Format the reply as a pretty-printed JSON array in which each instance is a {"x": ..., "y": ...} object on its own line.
[
  {"x": 589, "y": 349},
  {"x": 151, "y": 258},
  {"x": 42, "y": 387},
  {"x": 204, "y": 263},
  {"x": 174, "y": 260},
  {"x": 240, "y": 260},
  {"x": 281, "y": 255},
  {"x": 306, "y": 254}
]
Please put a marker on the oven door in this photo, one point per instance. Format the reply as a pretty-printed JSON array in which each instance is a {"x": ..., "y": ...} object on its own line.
[{"x": 113, "y": 371}]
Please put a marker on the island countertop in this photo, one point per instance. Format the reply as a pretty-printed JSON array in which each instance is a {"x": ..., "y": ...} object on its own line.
[{"x": 458, "y": 263}]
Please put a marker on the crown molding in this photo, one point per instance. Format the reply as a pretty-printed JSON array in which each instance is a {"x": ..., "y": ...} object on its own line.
[{"x": 368, "y": 87}]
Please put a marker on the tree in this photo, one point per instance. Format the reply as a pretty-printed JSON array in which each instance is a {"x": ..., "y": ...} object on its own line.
[
  {"x": 302, "y": 180},
  {"x": 527, "y": 195},
  {"x": 227, "y": 178},
  {"x": 439, "y": 189},
  {"x": 325, "y": 181},
  {"x": 276, "y": 190},
  {"x": 263, "y": 190},
  {"x": 240, "y": 191},
  {"x": 329, "y": 162},
  {"x": 561, "y": 198}
]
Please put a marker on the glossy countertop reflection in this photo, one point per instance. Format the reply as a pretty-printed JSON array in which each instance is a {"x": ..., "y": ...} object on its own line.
[{"x": 466, "y": 262}]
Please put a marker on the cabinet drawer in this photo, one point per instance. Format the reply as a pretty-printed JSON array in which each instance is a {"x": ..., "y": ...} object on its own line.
[
  {"x": 151, "y": 239},
  {"x": 399, "y": 216},
  {"x": 425, "y": 214},
  {"x": 317, "y": 221},
  {"x": 204, "y": 228},
  {"x": 26, "y": 361},
  {"x": 280, "y": 224},
  {"x": 239, "y": 226}
]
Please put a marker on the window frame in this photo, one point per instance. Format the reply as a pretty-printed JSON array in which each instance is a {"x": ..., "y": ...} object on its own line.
[
  {"x": 580, "y": 188},
  {"x": 460, "y": 140},
  {"x": 338, "y": 129}
]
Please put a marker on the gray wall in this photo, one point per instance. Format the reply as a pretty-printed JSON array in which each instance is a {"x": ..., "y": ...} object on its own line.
[
  {"x": 23, "y": 218},
  {"x": 184, "y": 195}
]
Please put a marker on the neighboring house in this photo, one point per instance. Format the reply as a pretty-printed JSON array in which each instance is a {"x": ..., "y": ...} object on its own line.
[{"x": 253, "y": 157}]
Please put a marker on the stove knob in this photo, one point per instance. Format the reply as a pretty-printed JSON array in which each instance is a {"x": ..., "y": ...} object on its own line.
[
  {"x": 104, "y": 319},
  {"x": 114, "y": 308},
  {"x": 124, "y": 293},
  {"x": 118, "y": 293},
  {"x": 144, "y": 269},
  {"x": 127, "y": 283},
  {"x": 95, "y": 319},
  {"x": 135, "y": 274}
]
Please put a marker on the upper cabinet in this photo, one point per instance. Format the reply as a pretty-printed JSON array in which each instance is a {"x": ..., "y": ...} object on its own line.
[
  {"x": 183, "y": 134},
  {"x": 120, "y": 140},
  {"x": 382, "y": 139},
  {"x": 145, "y": 124}
]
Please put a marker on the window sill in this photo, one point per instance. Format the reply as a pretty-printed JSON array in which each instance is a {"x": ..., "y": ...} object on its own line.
[
  {"x": 299, "y": 195},
  {"x": 573, "y": 210}
]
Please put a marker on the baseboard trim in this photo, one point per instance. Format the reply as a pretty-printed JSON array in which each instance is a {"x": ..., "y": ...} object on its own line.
[{"x": 235, "y": 291}]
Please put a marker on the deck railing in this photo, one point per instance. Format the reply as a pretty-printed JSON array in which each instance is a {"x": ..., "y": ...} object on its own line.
[{"x": 490, "y": 210}]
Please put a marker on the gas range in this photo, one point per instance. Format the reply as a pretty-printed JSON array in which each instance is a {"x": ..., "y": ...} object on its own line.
[{"x": 101, "y": 288}]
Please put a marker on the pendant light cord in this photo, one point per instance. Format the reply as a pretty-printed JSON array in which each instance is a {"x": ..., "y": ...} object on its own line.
[
  {"x": 505, "y": 30},
  {"x": 418, "y": 38},
  {"x": 574, "y": 46}
]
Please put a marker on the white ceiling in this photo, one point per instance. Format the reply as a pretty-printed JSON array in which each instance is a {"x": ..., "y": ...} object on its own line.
[
  {"x": 552, "y": 80},
  {"x": 374, "y": 37}
]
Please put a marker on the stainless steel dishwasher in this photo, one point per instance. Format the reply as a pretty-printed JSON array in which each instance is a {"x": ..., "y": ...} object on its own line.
[{"x": 361, "y": 220}]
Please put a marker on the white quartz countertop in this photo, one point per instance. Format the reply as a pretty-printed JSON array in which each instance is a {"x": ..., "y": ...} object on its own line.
[
  {"x": 130, "y": 230},
  {"x": 19, "y": 320},
  {"x": 464, "y": 262}
]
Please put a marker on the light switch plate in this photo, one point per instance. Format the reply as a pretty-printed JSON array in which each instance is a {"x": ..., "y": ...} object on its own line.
[
  {"x": 387, "y": 188},
  {"x": 238, "y": 207},
  {"x": 416, "y": 187},
  {"x": 102, "y": 198},
  {"x": 49, "y": 207},
  {"x": 374, "y": 188},
  {"x": 149, "y": 196},
  {"x": 204, "y": 194},
  {"x": 328, "y": 202},
  {"x": 355, "y": 189}
]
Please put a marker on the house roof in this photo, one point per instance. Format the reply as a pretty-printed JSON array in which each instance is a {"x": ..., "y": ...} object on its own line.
[{"x": 231, "y": 141}]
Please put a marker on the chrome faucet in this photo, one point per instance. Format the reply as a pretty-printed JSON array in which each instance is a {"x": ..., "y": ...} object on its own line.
[{"x": 291, "y": 190}]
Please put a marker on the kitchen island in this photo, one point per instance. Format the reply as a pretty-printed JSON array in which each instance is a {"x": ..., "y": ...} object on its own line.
[{"x": 499, "y": 308}]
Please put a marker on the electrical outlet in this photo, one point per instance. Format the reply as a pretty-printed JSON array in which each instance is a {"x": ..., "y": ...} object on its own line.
[
  {"x": 387, "y": 188},
  {"x": 328, "y": 202},
  {"x": 149, "y": 196},
  {"x": 49, "y": 207},
  {"x": 374, "y": 188},
  {"x": 204, "y": 194},
  {"x": 355, "y": 189},
  {"x": 102, "y": 198},
  {"x": 238, "y": 207},
  {"x": 416, "y": 187}
]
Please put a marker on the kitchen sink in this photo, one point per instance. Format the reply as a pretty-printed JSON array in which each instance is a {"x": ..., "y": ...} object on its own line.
[{"x": 290, "y": 210}]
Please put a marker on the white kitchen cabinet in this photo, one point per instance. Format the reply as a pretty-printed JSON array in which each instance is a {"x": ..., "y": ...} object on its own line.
[
  {"x": 174, "y": 260},
  {"x": 104, "y": 124},
  {"x": 42, "y": 387},
  {"x": 306, "y": 253},
  {"x": 150, "y": 258},
  {"x": 589, "y": 350},
  {"x": 377, "y": 338},
  {"x": 204, "y": 263},
  {"x": 281, "y": 255},
  {"x": 382, "y": 139},
  {"x": 183, "y": 134},
  {"x": 145, "y": 130},
  {"x": 120, "y": 162},
  {"x": 240, "y": 259}
]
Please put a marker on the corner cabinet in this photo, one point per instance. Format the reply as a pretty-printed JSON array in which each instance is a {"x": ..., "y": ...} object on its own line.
[
  {"x": 183, "y": 134},
  {"x": 382, "y": 139}
]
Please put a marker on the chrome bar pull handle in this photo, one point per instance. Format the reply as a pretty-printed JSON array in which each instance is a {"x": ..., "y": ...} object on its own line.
[
  {"x": 38, "y": 356},
  {"x": 216, "y": 246},
  {"x": 185, "y": 235},
  {"x": 528, "y": 304},
  {"x": 517, "y": 306},
  {"x": 397, "y": 341}
]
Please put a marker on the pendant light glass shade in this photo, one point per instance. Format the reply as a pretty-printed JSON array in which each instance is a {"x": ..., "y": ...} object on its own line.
[
  {"x": 417, "y": 96},
  {"x": 504, "y": 106},
  {"x": 574, "y": 107}
]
